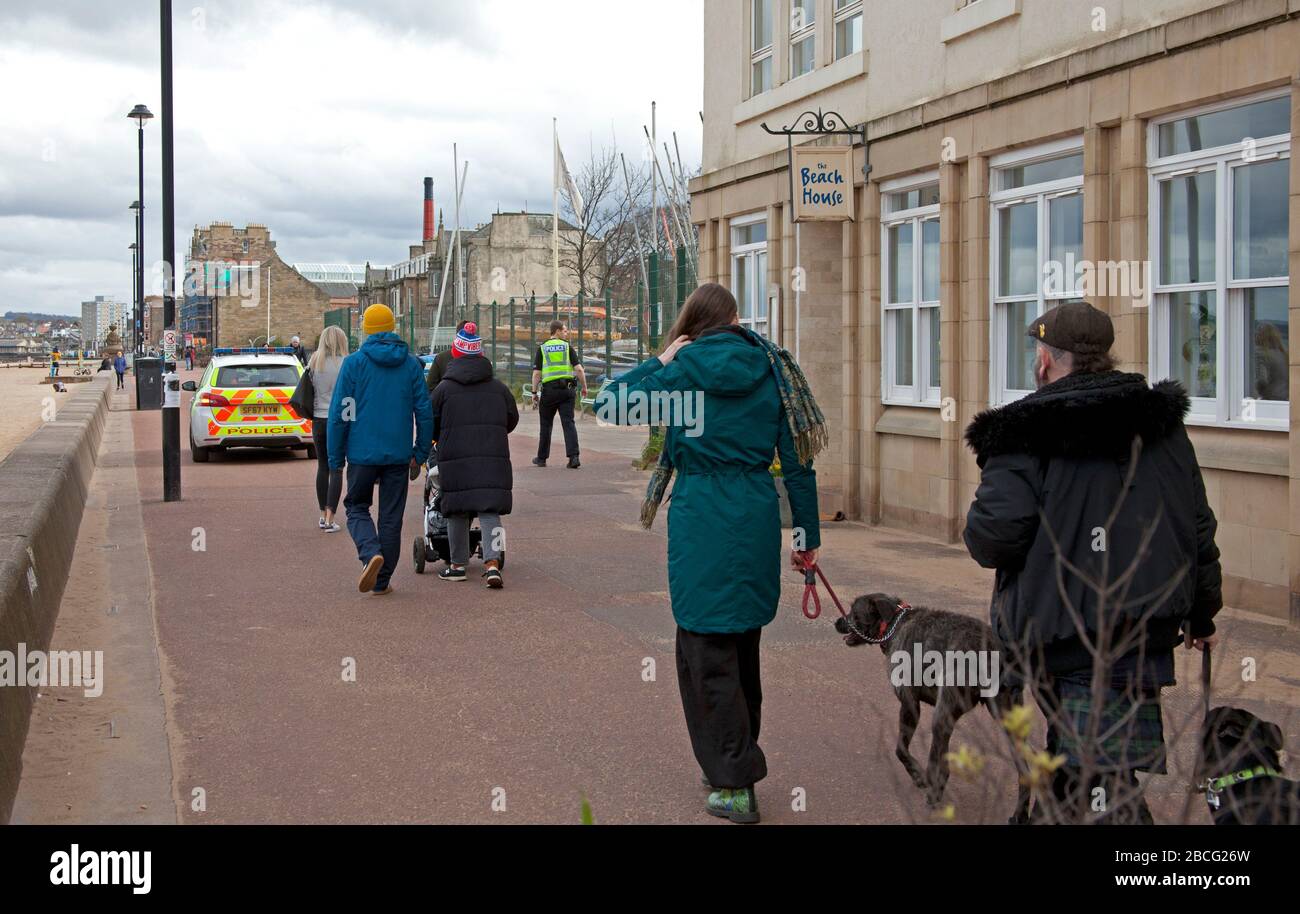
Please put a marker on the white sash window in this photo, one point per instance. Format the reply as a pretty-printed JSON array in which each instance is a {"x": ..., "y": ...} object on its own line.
[
  {"x": 1036, "y": 230},
  {"x": 749, "y": 270},
  {"x": 909, "y": 282},
  {"x": 1219, "y": 228},
  {"x": 760, "y": 46}
]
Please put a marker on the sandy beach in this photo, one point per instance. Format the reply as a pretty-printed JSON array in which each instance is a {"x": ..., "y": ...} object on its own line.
[{"x": 22, "y": 404}]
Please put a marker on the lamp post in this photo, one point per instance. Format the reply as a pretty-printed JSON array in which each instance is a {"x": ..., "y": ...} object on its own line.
[
  {"x": 137, "y": 304},
  {"x": 135, "y": 278},
  {"x": 171, "y": 411},
  {"x": 141, "y": 115}
]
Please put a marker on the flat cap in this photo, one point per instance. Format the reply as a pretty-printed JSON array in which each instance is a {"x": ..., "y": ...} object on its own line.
[{"x": 1076, "y": 327}]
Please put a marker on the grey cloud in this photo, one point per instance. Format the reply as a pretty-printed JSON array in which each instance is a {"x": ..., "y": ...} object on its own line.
[
  {"x": 113, "y": 28},
  {"x": 349, "y": 191}
]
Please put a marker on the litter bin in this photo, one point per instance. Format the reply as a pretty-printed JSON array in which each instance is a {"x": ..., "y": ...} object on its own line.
[{"x": 148, "y": 382}]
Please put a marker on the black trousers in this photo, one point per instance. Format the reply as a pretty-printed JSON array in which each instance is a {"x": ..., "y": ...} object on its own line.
[
  {"x": 329, "y": 483},
  {"x": 557, "y": 397},
  {"x": 722, "y": 698},
  {"x": 1125, "y": 802}
]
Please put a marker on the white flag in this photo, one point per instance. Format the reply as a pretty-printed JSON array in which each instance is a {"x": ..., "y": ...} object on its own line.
[{"x": 565, "y": 180}]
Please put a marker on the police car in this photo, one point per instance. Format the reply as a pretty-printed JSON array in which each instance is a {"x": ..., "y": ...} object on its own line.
[{"x": 242, "y": 400}]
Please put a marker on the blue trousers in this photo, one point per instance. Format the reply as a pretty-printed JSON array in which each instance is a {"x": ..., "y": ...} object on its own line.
[{"x": 387, "y": 539}]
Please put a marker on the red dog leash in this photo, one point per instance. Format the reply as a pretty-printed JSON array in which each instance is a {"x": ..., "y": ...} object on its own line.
[{"x": 812, "y": 571}]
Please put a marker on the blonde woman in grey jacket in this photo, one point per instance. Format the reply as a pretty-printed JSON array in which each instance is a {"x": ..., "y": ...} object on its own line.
[{"x": 324, "y": 366}]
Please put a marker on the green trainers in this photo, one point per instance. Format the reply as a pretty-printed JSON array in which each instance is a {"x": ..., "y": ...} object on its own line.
[{"x": 739, "y": 805}]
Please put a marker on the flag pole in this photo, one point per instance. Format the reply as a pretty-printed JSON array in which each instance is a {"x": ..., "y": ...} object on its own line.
[
  {"x": 675, "y": 198},
  {"x": 446, "y": 268},
  {"x": 555, "y": 207},
  {"x": 654, "y": 191},
  {"x": 455, "y": 170}
]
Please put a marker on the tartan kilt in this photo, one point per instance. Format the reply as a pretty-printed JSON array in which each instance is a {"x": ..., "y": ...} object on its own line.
[{"x": 1130, "y": 734}]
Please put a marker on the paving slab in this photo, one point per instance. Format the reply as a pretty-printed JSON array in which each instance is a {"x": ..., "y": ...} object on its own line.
[{"x": 512, "y": 706}]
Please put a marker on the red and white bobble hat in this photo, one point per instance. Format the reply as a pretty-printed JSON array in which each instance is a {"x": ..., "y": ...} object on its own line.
[{"x": 467, "y": 341}]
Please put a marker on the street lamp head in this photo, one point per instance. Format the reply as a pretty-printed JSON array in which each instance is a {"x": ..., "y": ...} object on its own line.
[
  {"x": 131, "y": 246},
  {"x": 135, "y": 205},
  {"x": 141, "y": 114}
]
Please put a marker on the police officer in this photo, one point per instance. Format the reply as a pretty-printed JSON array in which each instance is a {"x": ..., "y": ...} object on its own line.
[{"x": 556, "y": 373}]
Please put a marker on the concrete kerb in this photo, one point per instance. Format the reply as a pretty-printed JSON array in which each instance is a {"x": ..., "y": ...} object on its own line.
[{"x": 43, "y": 487}]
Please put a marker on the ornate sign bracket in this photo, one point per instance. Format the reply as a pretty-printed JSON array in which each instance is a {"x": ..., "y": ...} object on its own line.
[{"x": 819, "y": 123}]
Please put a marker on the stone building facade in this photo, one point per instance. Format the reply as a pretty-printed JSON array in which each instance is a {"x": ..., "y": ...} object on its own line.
[
  {"x": 1007, "y": 138},
  {"x": 410, "y": 286},
  {"x": 152, "y": 317},
  {"x": 253, "y": 293},
  {"x": 510, "y": 255}
]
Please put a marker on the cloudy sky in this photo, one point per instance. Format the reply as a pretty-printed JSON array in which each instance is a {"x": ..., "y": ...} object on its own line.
[{"x": 318, "y": 118}]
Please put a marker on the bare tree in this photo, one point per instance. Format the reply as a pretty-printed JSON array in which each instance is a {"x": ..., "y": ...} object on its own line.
[
  {"x": 599, "y": 243},
  {"x": 618, "y": 228}
]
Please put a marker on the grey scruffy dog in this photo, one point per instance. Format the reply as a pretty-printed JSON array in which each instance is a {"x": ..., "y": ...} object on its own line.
[{"x": 963, "y": 647}]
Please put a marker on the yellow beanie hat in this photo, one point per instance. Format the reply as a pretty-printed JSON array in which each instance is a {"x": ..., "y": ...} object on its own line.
[{"x": 378, "y": 319}]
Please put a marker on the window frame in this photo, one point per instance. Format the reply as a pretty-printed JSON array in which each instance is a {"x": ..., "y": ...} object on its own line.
[
  {"x": 798, "y": 36},
  {"x": 767, "y": 52},
  {"x": 848, "y": 11},
  {"x": 1041, "y": 195},
  {"x": 1228, "y": 407},
  {"x": 919, "y": 392},
  {"x": 751, "y": 255}
]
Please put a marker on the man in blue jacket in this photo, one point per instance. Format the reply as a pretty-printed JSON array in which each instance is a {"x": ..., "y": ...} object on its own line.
[{"x": 379, "y": 393}]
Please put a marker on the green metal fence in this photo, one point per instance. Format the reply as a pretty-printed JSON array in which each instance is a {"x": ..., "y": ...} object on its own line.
[
  {"x": 609, "y": 336},
  {"x": 342, "y": 318}
]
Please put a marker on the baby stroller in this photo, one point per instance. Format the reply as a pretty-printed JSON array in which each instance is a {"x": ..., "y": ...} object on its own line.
[{"x": 433, "y": 543}]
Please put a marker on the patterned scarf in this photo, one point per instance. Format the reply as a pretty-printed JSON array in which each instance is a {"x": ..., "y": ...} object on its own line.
[{"x": 807, "y": 425}]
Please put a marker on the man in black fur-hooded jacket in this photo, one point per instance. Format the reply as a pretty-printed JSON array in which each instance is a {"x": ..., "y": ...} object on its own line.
[{"x": 1073, "y": 547}]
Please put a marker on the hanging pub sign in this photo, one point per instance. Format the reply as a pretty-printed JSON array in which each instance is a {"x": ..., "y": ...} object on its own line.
[
  {"x": 821, "y": 177},
  {"x": 823, "y": 183}
]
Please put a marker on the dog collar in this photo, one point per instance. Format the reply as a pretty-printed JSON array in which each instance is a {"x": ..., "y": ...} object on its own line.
[
  {"x": 1237, "y": 777},
  {"x": 886, "y": 632},
  {"x": 1218, "y": 785}
]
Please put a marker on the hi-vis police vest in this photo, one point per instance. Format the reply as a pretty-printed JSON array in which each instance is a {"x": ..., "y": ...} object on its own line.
[{"x": 555, "y": 361}]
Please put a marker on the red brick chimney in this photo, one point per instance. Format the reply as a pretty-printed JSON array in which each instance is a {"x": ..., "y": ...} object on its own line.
[{"x": 428, "y": 209}]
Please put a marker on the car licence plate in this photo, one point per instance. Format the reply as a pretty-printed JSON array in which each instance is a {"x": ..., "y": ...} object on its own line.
[{"x": 259, "y": 410}]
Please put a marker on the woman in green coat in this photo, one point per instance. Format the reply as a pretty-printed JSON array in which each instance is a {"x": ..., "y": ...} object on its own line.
[{"x": 730, "y": 401}]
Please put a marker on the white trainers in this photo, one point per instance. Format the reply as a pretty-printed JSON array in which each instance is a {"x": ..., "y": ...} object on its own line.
[{"x": 331, "y": 527}]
